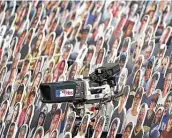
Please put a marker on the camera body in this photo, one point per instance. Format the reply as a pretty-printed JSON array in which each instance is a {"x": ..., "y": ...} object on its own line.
[
  {"x": 76, "y": 91},
  {"x": 90, "y": 90},
  {"x": 65, "y": 91}
]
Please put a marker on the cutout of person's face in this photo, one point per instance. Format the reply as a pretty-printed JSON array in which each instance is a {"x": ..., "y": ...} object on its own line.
[
  {"x": 148, "y": 51},
  {"x": 28, "y": 115},
  {"x": 28, "y": 38},
  {"x": 9, "y": 36},
  {"x": 165, "y": 35},
  {"x": 117, "y": 8},
  {"x": 152, "y": 84},
  {"x": 129, "y": 30},
  {"x": 113, "y": 129},
  {"x": 115, "y": 45},
  {"x": 167, "y": 84},
  {"x": 59, "y": 41},
  {"x": 15, "y": 112},
  {"x": 75, "y": 31},
  {"x": 54, "y": 134},
  {"x": 3, "y": 110},
  {"x": 54, "y": 108},
  {"x": 3, "y": 6},
  {"x": 153, "y": 101},
  {"x": 37, "y": 80},
  {"x": 3, "y": 73},
  {"x": 137, "y": 48},
  {"x": 160, "y": 54},
  {"x": 53, "y": 27},
  {"x": 64, "y": 15},
  {"x": 99, "y": 127},
  {"x": 19, "y": 93},
  {"x": 151, "y": 14},
  {"x": 68, "y": 135},
  {"x": 85, "y": 70},
  {"x": 99, "y": 44},
  {"x": 84, "y": 34},
  {"x": 66, "y": 52},
  {"x": 49, "y": 45},
  {"x": 169, "y": 127},
  {"x": 164, "y": 63},
  {"x": 122, "y": 60},
  {"x": 148, "y": 33},
  {"x": 26, "y": 79},
  {"x": 55, "y": 121},
  {"x": 20, "y": 41},
  {"x": 63, "y": 4},
  {"x": 141, "y": 115},
  {"x": 36, "y": 45},
  {"x": 70, "y": 121},
  {"x": 144, "y": 24},
  {"x": 73, "y": 71},
  {"x": 26, "y": 10},
  {"x": 39, "y": 133},
  {"x": 158, "y": 116},
  {"x": 7, "y": 94},
  {"x": 2, "y": 31},
  {"x": 82, "y": 54},
  {"x": 148, "y": 71},
  {"x": 41, "y": 119},
  {"x": 89, "y": 56},
  {"x": 59, "y": 69},
  {"x": 11, "y": 21},
  {"x": 137, "y": 99},
  {"x": 136, "y": 80},
  {"x": 138, "y": 63},
  {"x": 133, "y": 9},
  {"x": 67, "y": 27},
  {"x": 19, "y": 15},
  {"x": 22, "y": 132},
  {"x": 51, "y": 65},
  {"x": 25, "y": 67},
  {"x": 46, "y": 75},
  {"x": 12, "y": 75},
  {"x": 122, "y": 79},
  {"x": 108, "y": 33},
  {"x": 37, "y": 16},
  {"x": 42, "y": 24},
  {"x": 38, "y": 66},
  {"x": 51, "y": 50},
  {"x": 125, "y": 44},
  {"x": 84, "y": 125},
  {"x": 38, "y": 42},
  {"x": 11, "y": 130},
  {"x": 50, "y": 4},
  {"x": 155, "y": 23},
  {"x": 170, "y": 63},
  {"x": 128, "y": 131},
  {"x": 100, "y": 56},
  {"x": 120, "y": 25},
  {"x": 4, "y": 60},
  {"x": 13, "y": 44},
  {"x": 124, "y": 97},
  {"x": 168, "y": 102},
  {"x": 7, "y": 15},
  {"x": 31, "y": 97}
]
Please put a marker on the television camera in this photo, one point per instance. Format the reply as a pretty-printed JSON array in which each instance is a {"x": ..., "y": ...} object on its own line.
[
  {"x": 81, "y": 93},
  {"x": 87, "y": 90}
]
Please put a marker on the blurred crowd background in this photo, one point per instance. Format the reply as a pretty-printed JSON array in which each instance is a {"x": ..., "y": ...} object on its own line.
[{"x": 51, "y": 41}]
